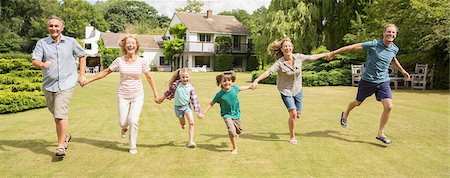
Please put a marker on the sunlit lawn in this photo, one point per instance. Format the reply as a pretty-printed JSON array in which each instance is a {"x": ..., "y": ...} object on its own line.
[{"x": 418, "y": 127}]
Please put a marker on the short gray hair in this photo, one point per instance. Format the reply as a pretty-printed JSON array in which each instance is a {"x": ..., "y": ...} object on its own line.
[
  {"x": 390, "y": 25},
  {"x": 57, "y": 18}
]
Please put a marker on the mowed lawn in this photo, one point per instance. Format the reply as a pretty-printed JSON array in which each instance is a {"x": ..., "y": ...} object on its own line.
[{"x": 419, "y": 129}]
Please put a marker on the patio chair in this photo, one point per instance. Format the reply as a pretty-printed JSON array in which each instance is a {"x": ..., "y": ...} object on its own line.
[
  {"x": 394, "y": 76},
  {"x": 357, "y": 71},
  {"x": 418, "y": 79}
]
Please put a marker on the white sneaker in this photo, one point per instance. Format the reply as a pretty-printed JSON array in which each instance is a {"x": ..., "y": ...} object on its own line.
[
  {"x": 191, "y": 145},
  {"x": 133, "y": 151}
]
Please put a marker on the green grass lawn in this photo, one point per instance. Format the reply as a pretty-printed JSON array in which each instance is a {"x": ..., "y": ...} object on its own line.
[{"x": 418, "y": 128}]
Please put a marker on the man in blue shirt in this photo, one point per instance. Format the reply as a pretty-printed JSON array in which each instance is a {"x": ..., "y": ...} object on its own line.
[
  {"x": 375, "y": 79},
  {"x": 56, "y": 56}
]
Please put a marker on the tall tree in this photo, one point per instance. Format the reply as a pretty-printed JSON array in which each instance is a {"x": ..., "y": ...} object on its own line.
[
  {"x": 193, "y": 6},
  {"x": 77, "y": 14},
  {"x": 119, "y": 13}
]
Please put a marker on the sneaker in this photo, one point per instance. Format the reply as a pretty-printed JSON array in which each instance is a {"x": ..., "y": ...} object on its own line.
[
  {"x": 60, "y": 152},
  {"x": 293, "y": 141},
  {"x": 133, "y": 151},
  {"x": 123, "y": 133},
  {"x": 66, "y": 142},
  {"x": 191, "y": 145}
]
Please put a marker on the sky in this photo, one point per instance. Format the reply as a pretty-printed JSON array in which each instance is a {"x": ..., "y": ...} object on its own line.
[{"x": 167, "y": 7}]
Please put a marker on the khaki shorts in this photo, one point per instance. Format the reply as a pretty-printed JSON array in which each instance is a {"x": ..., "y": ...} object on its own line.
[
  {"x": 234, "y": 126},
  {"x": 58, "y": 102}
]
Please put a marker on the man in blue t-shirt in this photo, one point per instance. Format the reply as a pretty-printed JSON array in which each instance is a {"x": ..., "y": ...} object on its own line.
[{"x": 375, "y": 79}]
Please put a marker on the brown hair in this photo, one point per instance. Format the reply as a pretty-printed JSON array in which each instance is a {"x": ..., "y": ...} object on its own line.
[
  {"x": 275, "y": 47},
  {"x": 228, "y": 75},
  {"x": 176, "y": 75},
  {"x": 123, "y": 44}
]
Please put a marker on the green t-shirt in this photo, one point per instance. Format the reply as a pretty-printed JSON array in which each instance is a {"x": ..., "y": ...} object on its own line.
[{"x": 229, "y": 103}]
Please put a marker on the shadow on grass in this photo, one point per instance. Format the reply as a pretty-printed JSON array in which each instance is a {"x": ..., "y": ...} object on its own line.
[
  {"x": 36, "y": 146},
  {"x": 276, "y": 136}
]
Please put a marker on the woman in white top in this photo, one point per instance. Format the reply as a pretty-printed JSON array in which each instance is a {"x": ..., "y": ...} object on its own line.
[
  {"x": 131, "y": 92},
  {"x": 289, "y": 79}
]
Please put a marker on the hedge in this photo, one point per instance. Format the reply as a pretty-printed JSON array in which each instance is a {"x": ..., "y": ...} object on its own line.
[
  {"x": 20, "y": 86},
  {"x": 223, "y": 62}
]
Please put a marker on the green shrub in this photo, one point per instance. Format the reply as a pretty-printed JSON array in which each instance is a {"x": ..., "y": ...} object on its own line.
[
  {"x": 252, "y": 63},
  {"x": 11, "y": 102},
  {"x": 223, "y": 62},
  {"x": 13, "y": 55}
]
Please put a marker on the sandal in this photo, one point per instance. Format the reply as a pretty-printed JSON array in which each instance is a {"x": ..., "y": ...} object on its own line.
[
  {"x": 60, "y": 152},
  {"x": 342, "y": 121},
  {"x": 66, "y": 142},
  {"x": 385, "y": 140}
]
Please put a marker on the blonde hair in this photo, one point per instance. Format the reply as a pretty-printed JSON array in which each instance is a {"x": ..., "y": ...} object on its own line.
[
  {"x": 228, "y": 75},
  {"x": 275, "y": 47},
  {"x": 176, "y": 75},
  {"x": 390, "y": 25},
  {"x": 123, "y": 44}
]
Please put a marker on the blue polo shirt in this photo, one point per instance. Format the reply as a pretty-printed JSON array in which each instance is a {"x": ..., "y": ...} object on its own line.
[
  {"x": 378, "y": 59},
  {"x": 62, "y": 73}
]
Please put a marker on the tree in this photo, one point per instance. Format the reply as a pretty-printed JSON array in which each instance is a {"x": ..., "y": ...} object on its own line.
[
  {"x": 119, "y": 13},
  {"x": 178, "y": 30},
  {"x": 192, "y": 6},
  {"x": 77, "y": 14}
]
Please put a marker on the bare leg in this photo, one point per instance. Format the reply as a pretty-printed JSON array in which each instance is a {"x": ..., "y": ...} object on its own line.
[
  {"x": 233, "y": 140},
  {"x": 62, "y": 129},
  {"x": 292, "y": 122},
  {"x": 182, "y": 122},
  {"x": 350, "y": 107},
  {"x": 387, "y": 108},
  {"x": 190, "y": 118}
]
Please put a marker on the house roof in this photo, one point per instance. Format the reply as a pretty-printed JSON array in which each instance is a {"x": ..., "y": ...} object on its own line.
[
  {"x": 112, "y": 40},
  {"x": 199, "y": 23}
]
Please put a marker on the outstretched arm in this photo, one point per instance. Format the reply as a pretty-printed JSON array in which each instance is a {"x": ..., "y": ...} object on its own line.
[
  {"x": 261, "y": 77},
  {"x": 245, "y": 88},
  {"x": 397, "y": 65},
  {"x": 318, "y": 56},
  {"x": 206, "y": 109},
  {"x": 353, "y": 47},
  {"x": 97, "y": 76}
]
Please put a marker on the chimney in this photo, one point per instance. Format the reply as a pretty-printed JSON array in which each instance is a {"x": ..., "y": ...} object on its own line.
[{"x": 209, "y": 14}]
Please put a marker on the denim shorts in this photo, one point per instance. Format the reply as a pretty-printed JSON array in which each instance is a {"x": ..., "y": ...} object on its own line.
[
  {"x": 181, "y": 110},
  {"x": 366, "y": 89},
  {"x": 293, "y": 102}
]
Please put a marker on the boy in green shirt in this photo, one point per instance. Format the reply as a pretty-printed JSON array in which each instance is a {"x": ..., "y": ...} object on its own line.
[{"x": 229, "y": 105}]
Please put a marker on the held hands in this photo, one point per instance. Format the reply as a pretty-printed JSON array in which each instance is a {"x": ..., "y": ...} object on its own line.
[
  {"x": 330, "y": 55},
  {"x": 253, "y": 86},
  {"x": 200, "y": 115}
]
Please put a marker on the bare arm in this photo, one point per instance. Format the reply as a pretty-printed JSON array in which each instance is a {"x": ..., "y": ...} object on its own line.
[
  {"x": 261, "y": 77},
  {"x": 245, "y": 88},
  {"x": 151, "y": 81},
  {"x": 82, "y": 77},
  {"x": 38, "y": 63},
  {"x": 206, "y": 109},
  {"x": 397, "y": 65},
  {"x": 97, "y": 76},
  {"x": 353, "y": 47},
  {"x": 318, "y": 56}
]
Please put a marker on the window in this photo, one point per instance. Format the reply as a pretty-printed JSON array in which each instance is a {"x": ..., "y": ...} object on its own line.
[
  {"x": 205, "y": 37},
  {"x": 163, "y": 61},
  {"x": 88, "y": 46},
  {"x": 202, "y": 60}
]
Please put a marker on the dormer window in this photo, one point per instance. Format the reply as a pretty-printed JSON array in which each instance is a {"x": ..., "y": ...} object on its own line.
[{"x": 205, "y": 37}]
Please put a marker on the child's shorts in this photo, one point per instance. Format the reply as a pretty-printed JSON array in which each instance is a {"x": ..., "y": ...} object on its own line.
[
  {"x": 181, "y": 110},
  {"x": 234, "y": 126}
]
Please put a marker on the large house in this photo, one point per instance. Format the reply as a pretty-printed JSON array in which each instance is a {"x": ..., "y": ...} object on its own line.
[
  {"x": 149, "y": 45},
  {"x": 200, "y": 47}
]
